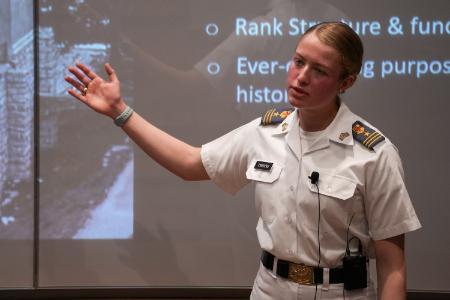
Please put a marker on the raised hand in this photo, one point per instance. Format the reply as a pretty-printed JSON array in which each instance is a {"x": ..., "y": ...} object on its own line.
[{"x": 102, "y": 96}]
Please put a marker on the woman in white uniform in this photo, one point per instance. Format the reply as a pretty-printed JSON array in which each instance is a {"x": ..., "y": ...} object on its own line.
[{"x": 329, "y": 186}]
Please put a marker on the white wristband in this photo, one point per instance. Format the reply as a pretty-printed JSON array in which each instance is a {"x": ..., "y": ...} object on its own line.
[{"x": 123, "y": 117}]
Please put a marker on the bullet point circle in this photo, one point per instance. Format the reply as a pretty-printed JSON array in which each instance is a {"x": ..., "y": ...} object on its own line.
[
  {"x": 213, "y": 68},
  {"x": 212, "y": 29}
]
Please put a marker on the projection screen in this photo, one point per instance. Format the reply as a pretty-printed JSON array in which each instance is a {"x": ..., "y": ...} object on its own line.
[{"x": 198, "y": 69}]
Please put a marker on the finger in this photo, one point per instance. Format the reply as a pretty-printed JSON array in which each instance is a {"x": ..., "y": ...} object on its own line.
[
  {"x": 111, "y": 73},
  {"x": 91, "y": 74},
  {"x": 81, "y": 77},
  {"x": 77, "y": 95},
  {"x": 76, "y": 84}
]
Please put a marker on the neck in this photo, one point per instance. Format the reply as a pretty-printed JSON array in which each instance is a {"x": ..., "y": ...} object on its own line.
[{"x": 317, "y": 119}]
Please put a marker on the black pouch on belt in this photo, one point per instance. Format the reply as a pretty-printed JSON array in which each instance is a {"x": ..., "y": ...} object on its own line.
[{"x": 355, "y": 272}]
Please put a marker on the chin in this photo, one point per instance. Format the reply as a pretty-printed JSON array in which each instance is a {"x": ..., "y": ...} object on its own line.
[{"x": 295, "y": 102}]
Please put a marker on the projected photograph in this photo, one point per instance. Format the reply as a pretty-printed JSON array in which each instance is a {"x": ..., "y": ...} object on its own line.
[
  {"x": 86, "y": 163},
  {"x": 16, "y": 119}
]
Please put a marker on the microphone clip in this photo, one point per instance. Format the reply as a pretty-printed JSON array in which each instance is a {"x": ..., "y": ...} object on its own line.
[{"x": 314, "y": 177}]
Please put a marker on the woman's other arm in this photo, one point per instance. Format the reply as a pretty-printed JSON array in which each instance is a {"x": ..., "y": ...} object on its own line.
[{"x": 391, "y": 268}]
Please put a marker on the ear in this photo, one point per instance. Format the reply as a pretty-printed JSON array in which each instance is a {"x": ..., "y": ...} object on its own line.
[{"x": 347, "y": 83}]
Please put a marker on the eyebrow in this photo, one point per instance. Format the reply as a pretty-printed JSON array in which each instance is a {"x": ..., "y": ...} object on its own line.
[{"x": 314, "y": 63}]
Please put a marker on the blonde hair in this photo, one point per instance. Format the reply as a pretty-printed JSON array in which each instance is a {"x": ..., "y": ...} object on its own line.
[{"x": 341, "y": 37}]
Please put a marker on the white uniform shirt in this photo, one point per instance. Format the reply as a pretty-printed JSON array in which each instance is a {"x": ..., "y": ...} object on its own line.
[{"x": 354, "y": 181}]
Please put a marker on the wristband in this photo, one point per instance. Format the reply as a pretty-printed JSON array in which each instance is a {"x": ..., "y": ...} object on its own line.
[{"x": 123, "y": 117}]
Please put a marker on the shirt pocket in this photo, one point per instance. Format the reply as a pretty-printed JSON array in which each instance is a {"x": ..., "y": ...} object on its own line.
[
  {"x": 334, "y": 186},
  {"x": 341, "y": 201}
]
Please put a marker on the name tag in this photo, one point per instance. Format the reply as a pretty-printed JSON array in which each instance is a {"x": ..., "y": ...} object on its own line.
[{"x": 263, "y": 165}]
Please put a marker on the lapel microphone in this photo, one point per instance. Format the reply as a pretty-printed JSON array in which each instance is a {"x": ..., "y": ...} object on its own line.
[{"x": 314, "y": 177}]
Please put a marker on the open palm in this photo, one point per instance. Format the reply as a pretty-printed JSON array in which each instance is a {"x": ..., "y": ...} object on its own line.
[{"x": 100, "y": 95}]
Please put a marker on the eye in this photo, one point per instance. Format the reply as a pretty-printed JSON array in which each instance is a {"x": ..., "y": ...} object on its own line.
[
  {"x": 320, "y": 71},
  {"x": 299, "y": 62}
]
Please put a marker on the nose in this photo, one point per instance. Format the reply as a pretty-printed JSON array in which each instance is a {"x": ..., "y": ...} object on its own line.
[{"x": 303, "y": 76}]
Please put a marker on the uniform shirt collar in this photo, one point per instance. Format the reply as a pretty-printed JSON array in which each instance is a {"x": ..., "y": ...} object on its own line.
[{"x": 339, "y": 130}]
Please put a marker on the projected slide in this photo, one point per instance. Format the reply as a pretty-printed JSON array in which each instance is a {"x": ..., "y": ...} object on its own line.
[
  {"x": 197, "y": 69},
  {"x": 180, "y": 62}
]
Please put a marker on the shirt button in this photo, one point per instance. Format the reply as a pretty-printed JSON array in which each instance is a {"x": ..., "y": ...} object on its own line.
[
  {"x": 329, "y": 188},
  {"x": 288, "y": 219},
  {"x": 291, "y": 188}
]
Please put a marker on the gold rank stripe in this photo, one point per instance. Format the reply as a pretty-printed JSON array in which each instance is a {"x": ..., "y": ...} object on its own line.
[
  {"x": 379, "y": 137},
  {"x": 272, "y": 112},
  {"x": 266, "y": 117},
  {"x": 369, "y": 137},
  {"x": 373, "y": 136},
  {"x": 271, "y": 116}
]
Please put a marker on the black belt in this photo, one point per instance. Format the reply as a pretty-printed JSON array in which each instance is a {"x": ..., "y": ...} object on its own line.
[{"x": 300, "y": 273}]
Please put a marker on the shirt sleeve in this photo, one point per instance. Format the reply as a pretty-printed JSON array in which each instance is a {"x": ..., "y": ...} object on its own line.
[
  {"x": 388, "y": 206},
  {"x": 226, "y": 158}
]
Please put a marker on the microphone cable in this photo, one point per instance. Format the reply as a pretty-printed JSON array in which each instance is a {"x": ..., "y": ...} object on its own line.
[{"x": 318, "y": 230}]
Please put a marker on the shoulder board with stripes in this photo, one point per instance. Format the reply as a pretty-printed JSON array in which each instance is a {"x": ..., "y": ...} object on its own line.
[
  {"x": 274, "y": 116},
  {"x": 366, "y": 135}
]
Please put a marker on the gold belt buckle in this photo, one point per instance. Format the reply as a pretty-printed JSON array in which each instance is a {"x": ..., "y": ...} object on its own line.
[{"x": 301, "y": 274}]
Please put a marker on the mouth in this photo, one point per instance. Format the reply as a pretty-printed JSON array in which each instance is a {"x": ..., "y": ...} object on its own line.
[{"x": 299, "y": 91}]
